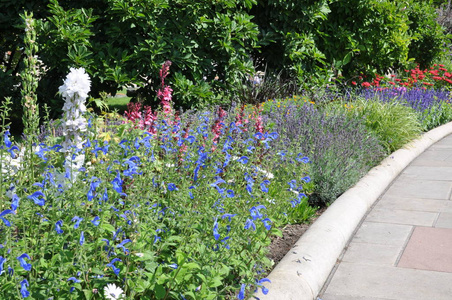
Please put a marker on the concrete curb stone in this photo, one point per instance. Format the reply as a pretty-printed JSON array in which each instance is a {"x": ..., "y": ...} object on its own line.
[{"x": 302, "y": 273}]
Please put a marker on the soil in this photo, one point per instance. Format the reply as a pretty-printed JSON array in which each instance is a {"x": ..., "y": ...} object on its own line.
[{"x": 291, "y": 234}]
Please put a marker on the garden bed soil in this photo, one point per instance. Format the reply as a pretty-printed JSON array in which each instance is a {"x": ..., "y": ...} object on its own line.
[{"x": 291, "y": 234}]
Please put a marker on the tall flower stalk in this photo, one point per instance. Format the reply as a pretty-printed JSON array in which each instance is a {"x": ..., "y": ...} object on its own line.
[
  {"x": 30, "y": 79},
  {"x": 74, "y": 91}
]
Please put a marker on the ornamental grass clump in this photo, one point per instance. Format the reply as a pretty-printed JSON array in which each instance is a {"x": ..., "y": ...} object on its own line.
[
  {"x": 185, "y": 212},
  {"x": 393, "y": 123}
]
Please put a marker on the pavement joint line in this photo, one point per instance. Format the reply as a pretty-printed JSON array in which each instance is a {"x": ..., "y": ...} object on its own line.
[
  {"x": 326, "y": 238},
  {"x": 404, "y": 246},
  {"x": 436, "y": 219}
]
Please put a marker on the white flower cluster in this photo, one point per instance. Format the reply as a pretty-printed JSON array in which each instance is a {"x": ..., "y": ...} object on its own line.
[{"x": 74, "y": 91}]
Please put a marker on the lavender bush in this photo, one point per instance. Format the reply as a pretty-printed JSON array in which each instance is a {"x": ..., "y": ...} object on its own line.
[{"x": 340, "y": 148}]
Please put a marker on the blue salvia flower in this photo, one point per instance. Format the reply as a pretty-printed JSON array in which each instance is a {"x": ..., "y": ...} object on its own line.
[
  {"x": 216, "y": 235},
  {"x": 244, "y": 159},
  {"x": 229, "y": 216},
  {"x": 105, "y": 195},
  {"x": 82, "y": 238},
  {"x": 267, "y": 223},
  {"x": 4, "y": 213},
  {"x": 293, "y": 184},
  {"x": 35, "y": 197},
  {"x": 301, "y": 158},
  {"x": 172, "y": 187},
  {"x": 264, "y": 186},
  {"x": 58, "y": 225},
  {"x": 255, "y": 213},
  {"x": 260, "y": 284},
  {"x": 250, "y": 224},
  {"x": 75, "y": 280},
  {"x": 11, "y": 151},
  {"x": 241, "y": 294},
  {"x": 230, "y": 193},
  {"x": 77, "y": 221},
  {"x": 112, "y": 265},
  {"x": 96, "y": 221},
  {"x": 10, "y": 271},
  {"x": 121, "y": 245},
  {"x": 23, "y": 288},
  {"x": 41, "y": 152},
  {"x": 2, "y": 261},
  {"x": 306, "y": 179},
  {"x": 6, "y": 139},
  {"x": 117, "y": 185},
  {"x": 23, "y": 262},
  {"x": 173, "y": 266}
]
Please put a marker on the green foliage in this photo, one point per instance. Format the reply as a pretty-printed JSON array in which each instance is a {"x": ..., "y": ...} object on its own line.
[
  {"x": 366, "y": 36},
  {"x": 392, "y": 122},
  {"x": 428, "y": 39}
]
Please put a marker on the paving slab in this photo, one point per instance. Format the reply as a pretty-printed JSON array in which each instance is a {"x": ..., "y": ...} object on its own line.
[
  {"x": 374, "y": 254},
  {"x": 383, "y": 233},
  {"x": 444, "y": 221},
  {"x": 397, "y": 216},
  {"x": 428, "y": 249},
  {"x": 417, "y": 188},
  {"x": 373, "y": 281},
  {"x": 413, "y": 204},
  {"x": 429, "y": 172}
]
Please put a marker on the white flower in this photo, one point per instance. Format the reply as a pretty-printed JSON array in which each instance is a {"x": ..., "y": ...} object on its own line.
[
  {"x": 77, "y": 83},
  {"x": 112, "y": 292}
]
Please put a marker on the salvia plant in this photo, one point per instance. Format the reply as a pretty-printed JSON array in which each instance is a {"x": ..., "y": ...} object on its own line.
[{"x": 179, "y": 208}]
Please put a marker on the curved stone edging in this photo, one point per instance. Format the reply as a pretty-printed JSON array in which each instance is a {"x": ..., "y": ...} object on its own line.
[{"x": 303, "y": 271}]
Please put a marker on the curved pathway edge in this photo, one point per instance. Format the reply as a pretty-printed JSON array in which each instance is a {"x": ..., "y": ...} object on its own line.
[{"x": 302, "y": 273}]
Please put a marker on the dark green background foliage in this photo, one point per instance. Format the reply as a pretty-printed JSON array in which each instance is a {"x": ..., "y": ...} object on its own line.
[{"x": 214, "y": 45}]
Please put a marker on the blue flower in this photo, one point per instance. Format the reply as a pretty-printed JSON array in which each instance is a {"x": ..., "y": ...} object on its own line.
[
  {"x": 35, "y": 197},
  {"x": 243, "y": 159},
  {"x": 82, "y": 238},
  {"x": 260, "y": 284},
  {"x": 230, "y": 193},
  {"x": 3, "y": 213},
  {"x": 255, "y": 213},
  {"x": 301, "y": 158},
  {"x": 6, "y": 139},
  {"x": 23, "y": 288},
  {"x": 2, "y": 261},
  {"x": 75, "y": 280},
  {"x": 15, "y": 202},
  {"x": 173, "y": 266},
  {"x": 241, "y": 294},
  {"x": 96, "y": 221},
  {"x": 172, "y": 187},
  {"x": 250, "y": 224},
  {"x": 12, "y": 153},
  {"x": 23, "y": 263},
  {"x": 264, "y": 187},
  {"x": 306, "y": 179},
  {"x": 229, "y": 216},
  {"x": 58, "y": 225},
  {"x": 267, "y": 223},
  {"x": 121, "y": 245},
  {"x": 216, "y": 235},
  {"x": 112, "y": 265},
  {"x": 77, "y": 221}
]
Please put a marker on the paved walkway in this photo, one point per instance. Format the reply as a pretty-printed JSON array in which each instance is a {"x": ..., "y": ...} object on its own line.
[{"x": 403, "y": 248}]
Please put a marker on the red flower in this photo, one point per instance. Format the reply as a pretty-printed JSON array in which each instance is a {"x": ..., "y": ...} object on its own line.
[
  {"x": 354, "y": 83},
  {"x": 365, "y": 84}
]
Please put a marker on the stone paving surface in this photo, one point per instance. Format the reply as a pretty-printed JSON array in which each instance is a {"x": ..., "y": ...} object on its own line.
[{"x": 403, "y": 248}]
